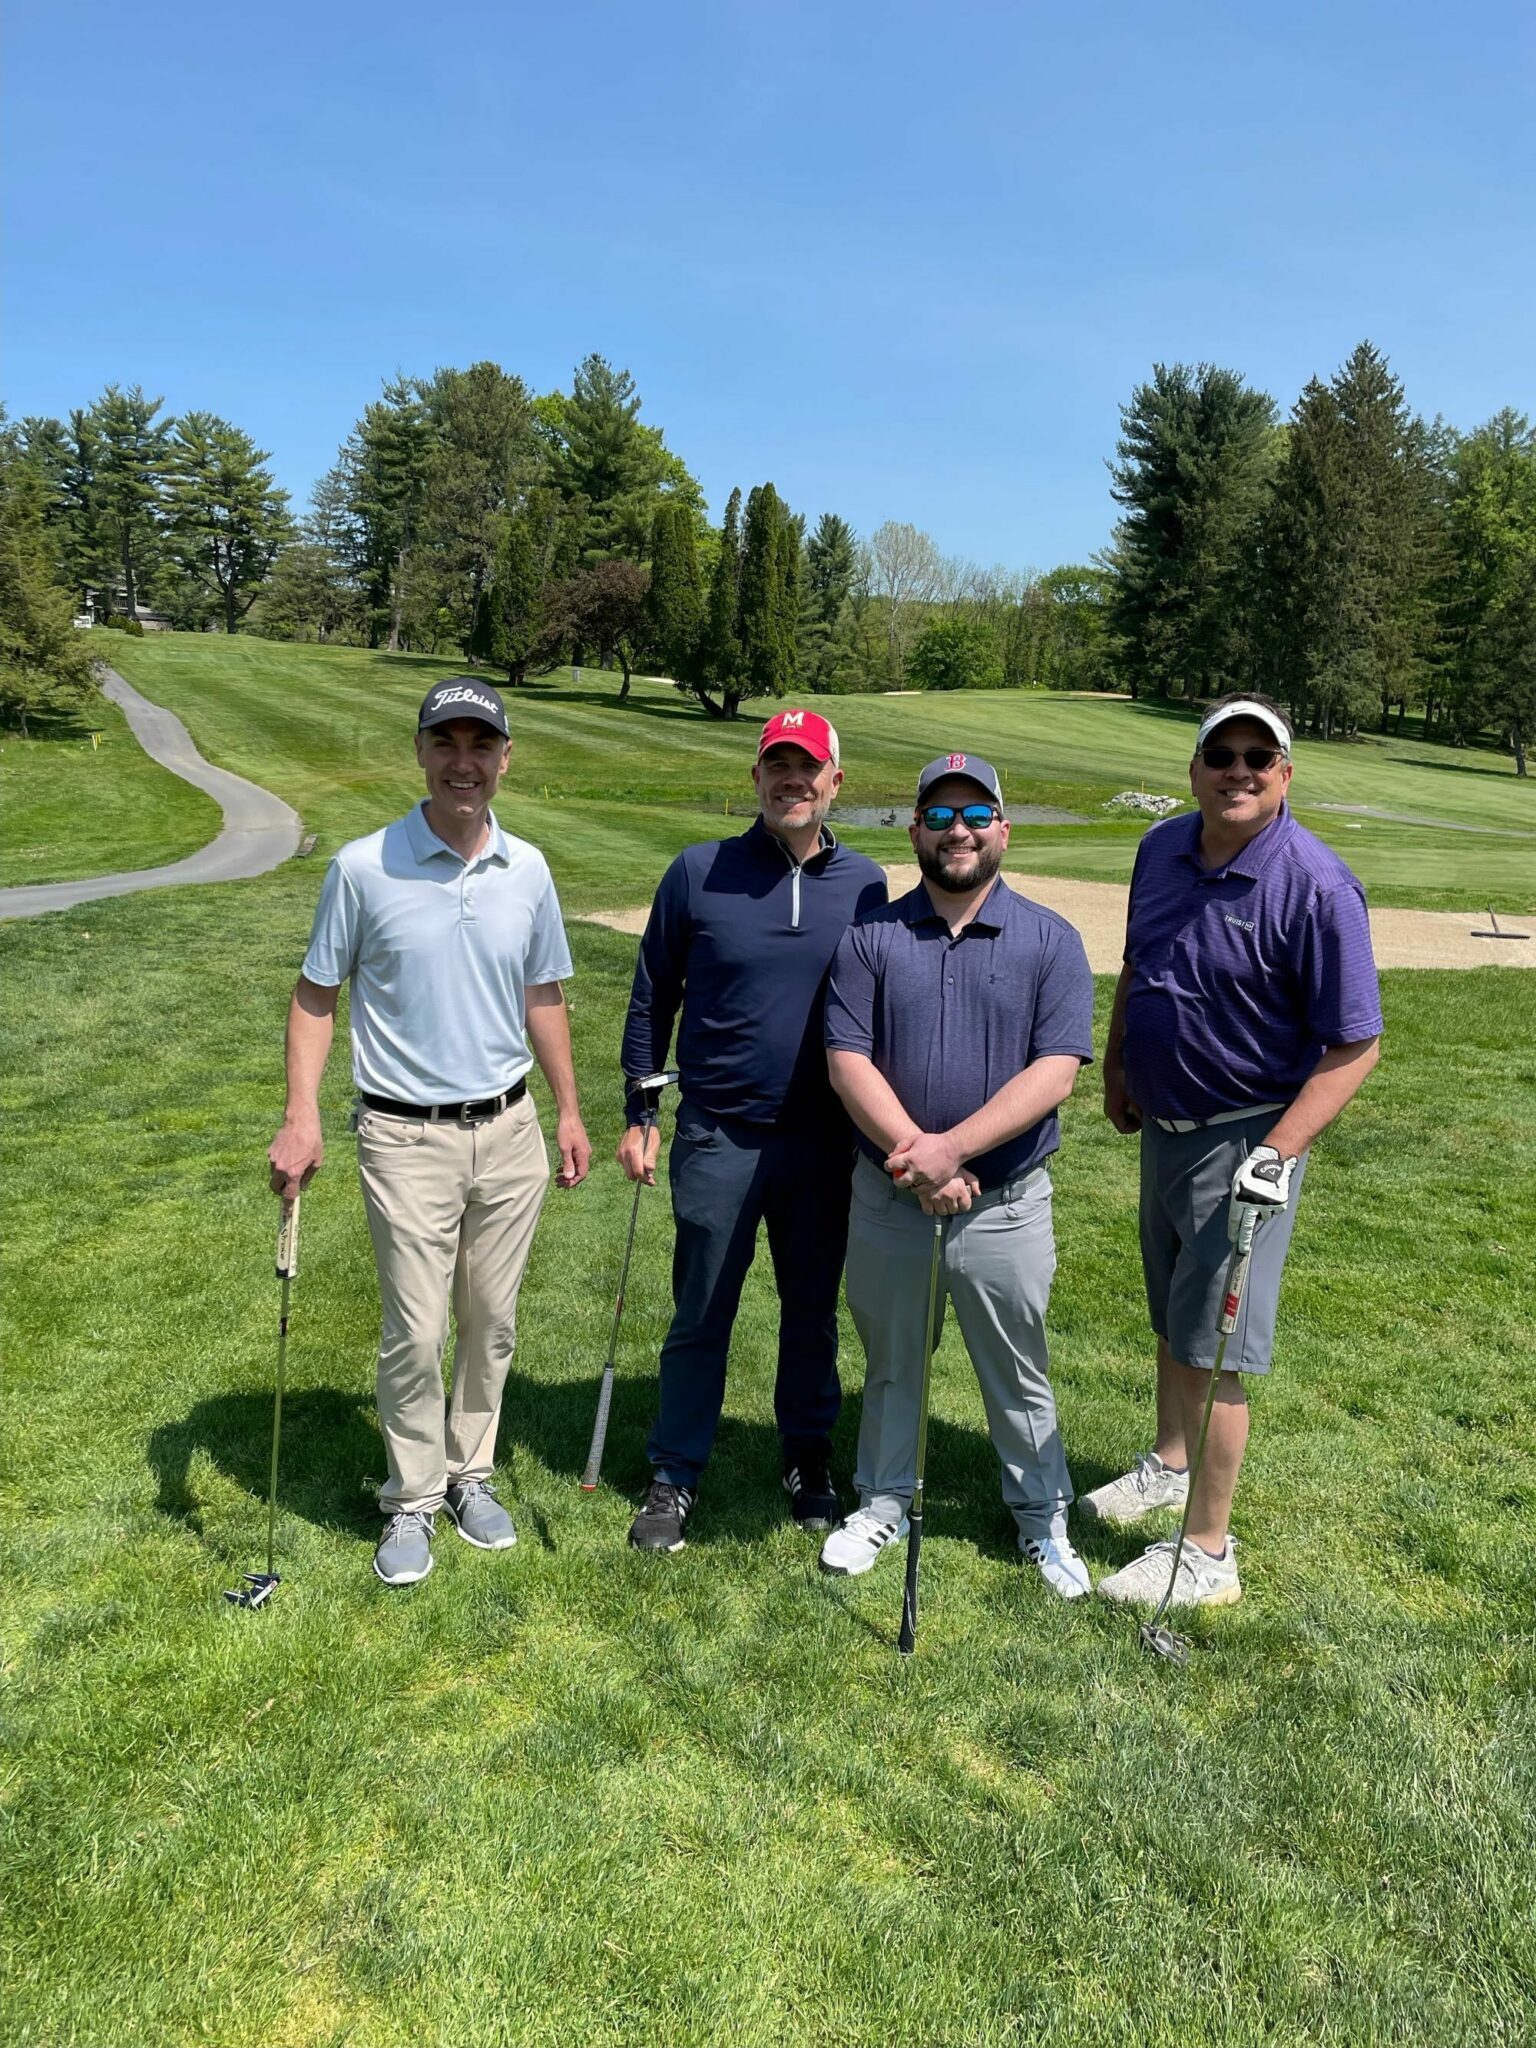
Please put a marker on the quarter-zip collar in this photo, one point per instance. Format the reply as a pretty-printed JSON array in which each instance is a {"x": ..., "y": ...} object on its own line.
[{"x": 825, "y": 849}]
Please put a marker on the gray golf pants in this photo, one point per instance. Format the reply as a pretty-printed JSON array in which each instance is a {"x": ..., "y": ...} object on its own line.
[{"x": 999, "y": 1259}]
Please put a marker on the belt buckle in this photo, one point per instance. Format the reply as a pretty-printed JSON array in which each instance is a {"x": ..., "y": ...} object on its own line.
[{"x": 464, "y": 1116}]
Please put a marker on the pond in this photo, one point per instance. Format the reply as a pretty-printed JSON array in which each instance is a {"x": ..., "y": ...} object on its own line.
[{"x": 899, "y": 814}]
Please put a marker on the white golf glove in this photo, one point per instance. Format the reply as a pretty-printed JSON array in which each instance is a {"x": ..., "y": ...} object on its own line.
[{"x": 1262, "y": 1183}]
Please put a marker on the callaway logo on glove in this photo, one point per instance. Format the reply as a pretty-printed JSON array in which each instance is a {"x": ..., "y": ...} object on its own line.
[{"x": 1262, "y": 1182}]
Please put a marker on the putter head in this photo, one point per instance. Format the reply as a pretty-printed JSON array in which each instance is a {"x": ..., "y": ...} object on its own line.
[
  {"x": 256, "y": 1591},
  {"x": 1163, "y": 1642}
]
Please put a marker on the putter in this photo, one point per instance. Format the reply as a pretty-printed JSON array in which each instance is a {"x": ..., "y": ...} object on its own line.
[
  {"x": 258, "y": 1587},
  {"x": 651, "y": 1087},
  {"x": 1155, "y": 1635},
  {"x": 906, "y": 1642}
]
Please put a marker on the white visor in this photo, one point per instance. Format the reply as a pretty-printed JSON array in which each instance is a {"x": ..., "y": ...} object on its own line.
[{"x": 1245, "y": 708}]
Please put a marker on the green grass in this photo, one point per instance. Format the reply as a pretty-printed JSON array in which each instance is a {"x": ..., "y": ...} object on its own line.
[
  {"x": 69, "y": 809},
  {"x": 574, "y": 1795},
  {"x": 329, "y": 730}
]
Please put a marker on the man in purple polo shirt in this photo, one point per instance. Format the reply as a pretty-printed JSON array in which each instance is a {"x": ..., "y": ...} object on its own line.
[
  {"x": 957, "y": 1019},
  {"x": 1246, "y": 1017}
]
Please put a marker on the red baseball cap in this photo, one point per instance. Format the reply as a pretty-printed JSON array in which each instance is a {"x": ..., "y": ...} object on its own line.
[{"x": 807, "y": 730}]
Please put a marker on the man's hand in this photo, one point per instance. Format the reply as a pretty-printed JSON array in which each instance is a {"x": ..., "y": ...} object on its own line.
[
  {"x": 295, "y": 1156},
  {"x": 575, "y": 1150},
  {"x": 1262, "y": 1183},
  {"x": 953, "y": 1198},
  {"x": 1122, "y": 1112},
  {"x": 639, "y": 1150},
  {"x": 927, "y": 1162}
]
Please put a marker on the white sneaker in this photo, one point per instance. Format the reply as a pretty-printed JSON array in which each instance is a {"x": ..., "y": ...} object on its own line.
[
  {"x": 854, "y": 1548},
  {"x": 1059, "y": 1565},
  {"x": 1149, "y": 1484},
  {"x": 1203, "y": 1581}
]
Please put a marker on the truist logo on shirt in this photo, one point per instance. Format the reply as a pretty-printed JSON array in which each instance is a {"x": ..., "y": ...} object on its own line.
[{"x": 1244, "y": 924}]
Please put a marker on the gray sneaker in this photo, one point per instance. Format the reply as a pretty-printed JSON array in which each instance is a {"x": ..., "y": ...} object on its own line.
[
  {"x": 404, "y": 1554},
  {"x": 1149, "y": 1485},
  {"x": 479, "y": 1516}
]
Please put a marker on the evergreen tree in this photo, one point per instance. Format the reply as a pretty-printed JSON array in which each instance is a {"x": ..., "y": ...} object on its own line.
[
  {"x": 1491, "y": 533},
  {"x": 483, "y": 453},
  {"x": 676, "y": 601},
  {"x": 603, "y": 460},
  {"x": 46, "y": 667},
  {"x": 126, "y": 451},
  {"x": 1195, "y": 452},
  {"x": 1350, "y": 552},
  {"x": 228, "y": 519},
  {"x": 721, "y": 665},
  {"x": 384, "y": 462},
  {"x": 520, "y": 622},
  {"x": 769, "y": 602}
]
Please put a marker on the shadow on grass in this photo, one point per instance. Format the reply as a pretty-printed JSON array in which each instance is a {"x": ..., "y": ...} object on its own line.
[{"x": 331, "y": 1447}]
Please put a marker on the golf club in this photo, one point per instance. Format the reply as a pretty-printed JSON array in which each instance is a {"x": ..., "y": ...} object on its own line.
[
  {"x": 906, "y": 1642},
  {"x": 1153, "y": 1635},
  {"x": 651, "y": 1088},
  {"x": 259, "y": 1587}
]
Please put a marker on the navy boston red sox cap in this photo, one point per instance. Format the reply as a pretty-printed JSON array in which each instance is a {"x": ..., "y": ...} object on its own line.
[
  {"x": 972, "y": 766},
  {"x": 463, "y": 697}
]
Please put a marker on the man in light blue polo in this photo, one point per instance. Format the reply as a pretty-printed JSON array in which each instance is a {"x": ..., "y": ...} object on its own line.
[
  {"x": 1246, "y": 1017},
  {"x": 449, "y": 932},
  {"x": 957, "y": 1020}
]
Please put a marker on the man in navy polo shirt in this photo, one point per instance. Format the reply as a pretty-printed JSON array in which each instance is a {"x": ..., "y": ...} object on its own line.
[
  {"x": 1246, "y": 1017},
  {"x": 739, "y": 939},
  {"x": 957, "y": 1020},
  {"x": 449, "y": 932}
]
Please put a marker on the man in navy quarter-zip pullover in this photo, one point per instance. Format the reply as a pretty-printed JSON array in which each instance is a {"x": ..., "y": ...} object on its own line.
[{"x": 736, "y": 953}]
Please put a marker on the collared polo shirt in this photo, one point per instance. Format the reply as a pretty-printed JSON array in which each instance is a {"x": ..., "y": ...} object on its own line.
[
  {"x": 950, "y": 1020},
  {"x": 1241, "y": 976},
  {"x": 439, "y": 951}
]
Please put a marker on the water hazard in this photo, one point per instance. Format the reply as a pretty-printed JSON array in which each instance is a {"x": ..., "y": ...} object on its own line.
[{"x": 1016, "y": 814}]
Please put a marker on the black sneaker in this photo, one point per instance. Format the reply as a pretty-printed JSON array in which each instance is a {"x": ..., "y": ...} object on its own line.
[
  {"x": 660, "y": 1522},
  {"x": 813, "y": 1499}
]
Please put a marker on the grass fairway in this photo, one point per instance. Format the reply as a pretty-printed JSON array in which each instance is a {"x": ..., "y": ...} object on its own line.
[
  {"x": 621, "y": 788},
  {"x": 69, "y": 809},
  {"x": 573, "y": 1795}
]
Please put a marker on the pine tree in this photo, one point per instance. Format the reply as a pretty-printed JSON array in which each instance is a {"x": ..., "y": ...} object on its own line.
[
  {"x": 676, "y": 601},
  {"x": 1350, "y": 552},
  {"x": 46, "y": 667},
  {"x": 126, "y": 505},
  {"x": 385, "y": 463},
  {"x": 228, "y": 519},
  {"x": 1195, "y": 452},
  {"x": 769, "y": 603},
  {"x": 721, "y": 665}
]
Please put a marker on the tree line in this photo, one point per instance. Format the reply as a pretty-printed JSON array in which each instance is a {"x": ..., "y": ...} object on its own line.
[{"x": 1352, "y": 560}]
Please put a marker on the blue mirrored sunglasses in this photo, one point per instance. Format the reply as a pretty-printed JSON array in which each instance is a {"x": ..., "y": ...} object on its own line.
[{"x": 939, "y": 817}]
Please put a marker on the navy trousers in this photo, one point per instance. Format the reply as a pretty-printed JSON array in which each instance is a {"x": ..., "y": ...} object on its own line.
[{"x": 728, "y": 1177}]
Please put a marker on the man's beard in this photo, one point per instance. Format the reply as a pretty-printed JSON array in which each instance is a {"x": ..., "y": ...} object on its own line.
[
  {"x": 988, "y": 859},
  {"x": 818, "y": 815}
]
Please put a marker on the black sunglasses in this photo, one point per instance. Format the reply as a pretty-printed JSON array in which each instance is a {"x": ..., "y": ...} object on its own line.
[
  {"x": 1256, "y": 758},
  {"x": 939, "y": 817}
]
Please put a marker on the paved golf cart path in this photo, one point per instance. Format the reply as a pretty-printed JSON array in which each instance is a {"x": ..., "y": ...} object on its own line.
[
  {"x": 1401, "y": 938},
  {"x": 260, "y": 831}
]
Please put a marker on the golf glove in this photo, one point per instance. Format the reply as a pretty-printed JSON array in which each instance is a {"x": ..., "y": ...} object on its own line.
[{"x": 1262, "y": 1182}]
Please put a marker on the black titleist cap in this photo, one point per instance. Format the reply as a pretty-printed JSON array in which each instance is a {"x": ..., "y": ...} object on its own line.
[{"x": 463, "y": 697}]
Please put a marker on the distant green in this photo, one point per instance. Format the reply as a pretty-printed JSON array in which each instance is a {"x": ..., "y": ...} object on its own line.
[{"x": 621, "y": 787}]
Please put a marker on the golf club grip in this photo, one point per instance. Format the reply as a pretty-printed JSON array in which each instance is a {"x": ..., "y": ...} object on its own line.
[
  {"x": 288, "y": 1241},
  {"x": 1237, "y": 1272},
  {"x": 906, "y": 1642},
  {"x": 599, "y": 1432}
]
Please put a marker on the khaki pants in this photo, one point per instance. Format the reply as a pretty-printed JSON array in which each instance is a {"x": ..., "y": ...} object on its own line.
[{"x": 451, "y": 1210}]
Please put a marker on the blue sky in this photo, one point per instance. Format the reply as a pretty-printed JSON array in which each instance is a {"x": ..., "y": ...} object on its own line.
[{"x": 905, "y": 261}]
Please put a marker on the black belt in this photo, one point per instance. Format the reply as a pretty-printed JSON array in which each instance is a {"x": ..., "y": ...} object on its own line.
[{"x": 448, "y": 1112}]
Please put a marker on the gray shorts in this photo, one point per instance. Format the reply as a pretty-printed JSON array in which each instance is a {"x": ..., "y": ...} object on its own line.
[{"x": 1186, "y": 1185}]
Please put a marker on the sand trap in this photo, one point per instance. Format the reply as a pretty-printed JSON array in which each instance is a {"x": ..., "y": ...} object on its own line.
[{"x": 1402, "y": 938}]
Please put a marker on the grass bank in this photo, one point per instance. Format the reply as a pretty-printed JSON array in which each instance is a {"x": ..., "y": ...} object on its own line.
[{"x": 329, "y": 730}]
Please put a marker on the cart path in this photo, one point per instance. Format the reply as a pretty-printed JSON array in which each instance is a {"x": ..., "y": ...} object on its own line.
[
  {"x": 260, "y": 832},
  {"x": 1401, "y": 938}
]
